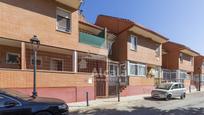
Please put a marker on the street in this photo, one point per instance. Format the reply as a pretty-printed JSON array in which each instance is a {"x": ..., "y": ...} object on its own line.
[{"x": 193, "y": 104}]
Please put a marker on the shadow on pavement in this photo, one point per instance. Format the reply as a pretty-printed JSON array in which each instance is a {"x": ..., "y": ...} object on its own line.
[
  {"x": 142, "y": 111},
  {"x": 153, "y": 99}
]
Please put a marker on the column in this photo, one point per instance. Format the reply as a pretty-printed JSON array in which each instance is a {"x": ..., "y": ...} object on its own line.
[
  {"x": 75, "y": 62},
  {"x": 23, "y": 56},
  {"x": 107, "y": 77}
]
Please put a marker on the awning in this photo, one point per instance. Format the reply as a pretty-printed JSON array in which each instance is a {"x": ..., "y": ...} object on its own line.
[
  {"x": 147, "y": 34},
  {"x": 71, "y": 3}
]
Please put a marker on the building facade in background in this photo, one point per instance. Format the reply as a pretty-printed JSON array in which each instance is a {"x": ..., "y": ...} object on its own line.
[
  {"x": 178, "y": 63},
  {"x": 199, "y": 72},
  {"x": 114, "y": 55},
  {"x": 138, "y": 52}
]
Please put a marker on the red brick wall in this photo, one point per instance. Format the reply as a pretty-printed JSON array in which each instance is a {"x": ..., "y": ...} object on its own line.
[
  {"x": 138, "y": 85},
  {"x": 21, "y": 19},
  {"x": 146, "y": 51},
  {"x": 68, "y": 94}
]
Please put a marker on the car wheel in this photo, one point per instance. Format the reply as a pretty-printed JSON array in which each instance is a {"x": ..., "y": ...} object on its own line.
[
  {"x": 168, "y": 97},
  {"x": 183, "y": 96},
  {"x": 43, "y": 113}
]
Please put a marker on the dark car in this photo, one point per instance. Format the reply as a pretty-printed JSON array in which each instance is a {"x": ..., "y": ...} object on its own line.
[{"x": 16, "y": 103}]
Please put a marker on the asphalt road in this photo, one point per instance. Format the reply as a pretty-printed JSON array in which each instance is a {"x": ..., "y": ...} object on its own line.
[{"x": 193, "y": 104}]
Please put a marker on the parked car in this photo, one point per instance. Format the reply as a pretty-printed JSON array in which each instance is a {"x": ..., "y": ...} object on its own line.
[
  {"x": 16, "y": 103},
  {"x": 169, "y": 90}
]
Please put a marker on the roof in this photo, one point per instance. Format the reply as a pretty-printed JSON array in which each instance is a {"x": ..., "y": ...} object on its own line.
[
  {"x": 131, "y": 23},
  {"x": 182, "y": 47}
]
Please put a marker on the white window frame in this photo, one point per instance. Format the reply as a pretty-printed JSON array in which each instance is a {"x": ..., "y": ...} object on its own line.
[
  {"x": 115, "y": 71},
  {"x": 67, "y": 17},
  {"x": 17, "y": 54},
  {"x": 138, "y": 73},
  {"x": 132, "y": 47},
  {"x": 51, "y": 64}
]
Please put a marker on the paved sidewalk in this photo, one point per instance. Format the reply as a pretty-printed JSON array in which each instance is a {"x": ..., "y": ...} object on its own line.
[
  {"x": 78, "y": 106},
  {"x": 101, "y": 102}
]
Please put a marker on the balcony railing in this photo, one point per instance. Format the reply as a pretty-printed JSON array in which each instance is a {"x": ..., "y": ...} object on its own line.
[{"x": 92, "y": 40}]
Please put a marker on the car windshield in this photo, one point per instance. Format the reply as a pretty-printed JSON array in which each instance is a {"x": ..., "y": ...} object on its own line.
[
  {"x": 164, "y": 86},
  {"x": 17, "y": 94}
]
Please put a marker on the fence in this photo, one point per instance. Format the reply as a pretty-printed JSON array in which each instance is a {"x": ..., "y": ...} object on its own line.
[{"x": 175, "y": 76}]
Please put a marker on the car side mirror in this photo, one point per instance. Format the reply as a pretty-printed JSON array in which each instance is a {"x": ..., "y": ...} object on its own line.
[{"x": 9, "y": 104}]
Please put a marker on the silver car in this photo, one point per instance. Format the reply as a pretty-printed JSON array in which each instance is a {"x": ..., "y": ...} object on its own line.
[{"x": 169, "y": 90}]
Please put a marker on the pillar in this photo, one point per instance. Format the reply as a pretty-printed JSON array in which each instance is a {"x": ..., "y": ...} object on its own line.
[{"x": 23, "y": 56}]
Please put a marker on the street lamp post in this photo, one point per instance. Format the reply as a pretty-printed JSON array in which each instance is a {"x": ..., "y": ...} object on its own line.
[
  {"x": 35, "y": 44},
  {"x": 118, "y": 89}
]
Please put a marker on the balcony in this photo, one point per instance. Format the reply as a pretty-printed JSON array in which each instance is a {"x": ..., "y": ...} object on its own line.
[{"x": 93, "y": 40}]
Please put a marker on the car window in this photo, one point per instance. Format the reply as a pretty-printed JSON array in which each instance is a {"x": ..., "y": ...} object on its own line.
[
  {"x": 176, "y": 86},
  {"x": 182, "y": 85},
  {"x": 164, "y": 86},
  {"x": 4, "y": 99}
]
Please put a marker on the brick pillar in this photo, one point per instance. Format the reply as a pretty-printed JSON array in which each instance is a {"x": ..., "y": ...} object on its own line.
[
  {"x": 23, "y": 56},
  {"x": 75, "y": 62}
]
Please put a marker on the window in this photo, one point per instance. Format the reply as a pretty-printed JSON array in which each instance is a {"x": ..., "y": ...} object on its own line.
[
  {"x": 57, "y": 64},
  {"x": 176, "y": 86},
  {"x": 133, "y": 41},
  {"x": 113, "y": 70},
  {"x": 157, "y": 51},
  {"x": 191, "y": 60},
  {"x": 137, "y": 69},
  {"x": 63, "y": 20},
  {"x": 4, "y": 99},
  {"x": 181, "y": 57},
  {"x": 203, "y": 64},
  {"x": 123, "y": 69},
  {"x": 39, "y": 60},
  {"x": 109, "y": 46},
  {"x": 181, "y": 85},
  {"x": 13, "y": 58},
  {"x": 133, "y": 69},
  {"x": 141, "y": 70}
]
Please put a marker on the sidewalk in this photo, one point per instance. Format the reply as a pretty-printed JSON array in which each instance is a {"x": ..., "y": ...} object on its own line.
[
  {"x": 102, "y": 102},
  {"x": 77, "y": 106}
]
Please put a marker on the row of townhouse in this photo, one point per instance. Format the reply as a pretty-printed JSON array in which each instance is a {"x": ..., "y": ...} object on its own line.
[{"x": 76, "y": 57}]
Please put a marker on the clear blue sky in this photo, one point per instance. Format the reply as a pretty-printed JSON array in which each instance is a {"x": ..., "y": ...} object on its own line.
[{"x": 180, "y": 20}]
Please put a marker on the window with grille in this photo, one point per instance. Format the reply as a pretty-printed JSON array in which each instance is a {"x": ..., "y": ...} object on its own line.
[
  {"x": 63, "y": 20},
  {"x": 13, "y": 58}
]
